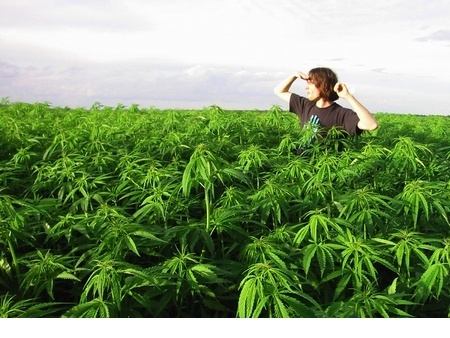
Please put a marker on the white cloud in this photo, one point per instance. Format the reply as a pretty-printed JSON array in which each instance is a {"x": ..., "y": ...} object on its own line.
[
  {"x": 199, "y": 71},
  {"x": 439, "y": 35}
]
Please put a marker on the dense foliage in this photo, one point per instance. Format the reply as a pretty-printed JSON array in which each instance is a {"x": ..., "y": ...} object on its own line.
[{"x": 130, "y": 212}]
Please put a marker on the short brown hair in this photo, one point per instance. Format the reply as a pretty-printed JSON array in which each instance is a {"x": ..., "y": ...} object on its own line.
[{"x": 325, "y": 80}]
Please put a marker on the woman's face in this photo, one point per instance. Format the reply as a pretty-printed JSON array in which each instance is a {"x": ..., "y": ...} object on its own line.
[{"x": 312, "y": 91}]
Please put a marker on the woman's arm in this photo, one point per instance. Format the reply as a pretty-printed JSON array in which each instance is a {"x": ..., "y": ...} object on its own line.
[
  {"x": 282, "y": 89},
  {"x": 366, "y": 119}
]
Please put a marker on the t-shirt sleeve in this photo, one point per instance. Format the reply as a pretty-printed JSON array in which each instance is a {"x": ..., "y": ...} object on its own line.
[
  {"x": 350, "y": 122},
  {"x": 295, "y": 104}
]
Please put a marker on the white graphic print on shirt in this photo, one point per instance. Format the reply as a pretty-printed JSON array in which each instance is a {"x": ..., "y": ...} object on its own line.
[{"x": 314, "y": 125}]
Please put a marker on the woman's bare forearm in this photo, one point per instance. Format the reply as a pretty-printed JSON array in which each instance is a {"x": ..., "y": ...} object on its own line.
[
  {"x": 366, "y": 119},
  {"x": 282, "y": 89}
]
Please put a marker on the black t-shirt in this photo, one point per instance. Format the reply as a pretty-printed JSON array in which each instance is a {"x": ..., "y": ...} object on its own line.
[{"x": 334, "y": 115}]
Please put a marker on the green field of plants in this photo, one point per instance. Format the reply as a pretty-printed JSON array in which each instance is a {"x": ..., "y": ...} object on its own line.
[{"x": 140, "y": 212}]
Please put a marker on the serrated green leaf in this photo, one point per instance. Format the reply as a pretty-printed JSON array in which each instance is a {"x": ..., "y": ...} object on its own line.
[
  {"x": 308, "y": 254},
  {"x": 66, "y": 275},
  {"x": 393, "y": 287},
  {"x": 148, "y": 235},
  {"x": 131, "y": 245}
]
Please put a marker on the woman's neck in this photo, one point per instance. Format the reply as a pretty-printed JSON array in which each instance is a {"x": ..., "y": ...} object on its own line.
[{"x": 322, "y": 103}]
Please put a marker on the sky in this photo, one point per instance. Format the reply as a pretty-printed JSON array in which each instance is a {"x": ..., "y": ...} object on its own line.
[{"x": 392, "y": 54}]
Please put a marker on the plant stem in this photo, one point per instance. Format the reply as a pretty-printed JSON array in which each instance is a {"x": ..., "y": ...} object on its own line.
[{"x": 208, "y": 209}]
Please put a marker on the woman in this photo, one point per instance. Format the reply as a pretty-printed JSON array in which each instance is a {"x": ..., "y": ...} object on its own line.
[{"x": 322, "y": 89}]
